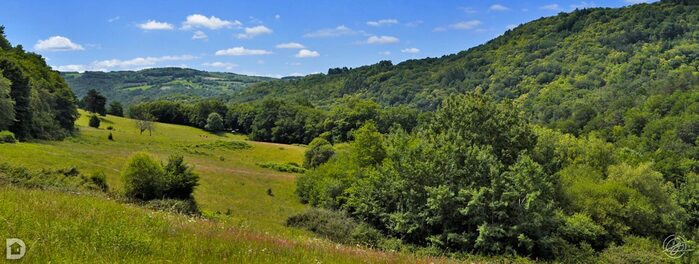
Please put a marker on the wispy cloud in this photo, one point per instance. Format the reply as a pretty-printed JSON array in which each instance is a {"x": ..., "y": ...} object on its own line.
[
  {"x": 341, "y": 30},
  {"x": 200, "y": 35},
  {"x": 382, "y": 22},
  {"x": 212, "y": 22},
  {"x": 550, "y": 7},
  {"x": 218, "y": 64},
  {"x": 241, "y": 51},
  {"x": 57, "y": 43},
  {"x": 410, "y": 50},
  {"x": 251, "y": 32},
  {"x": 498, "y": 7},
  {"x": 290, "y": 45},
  {"x": 155, "y": 25},
  {"x": 382, "y": 40},
  {"x": 466, "y": 24},
  {"x": 113, "y": 19}
]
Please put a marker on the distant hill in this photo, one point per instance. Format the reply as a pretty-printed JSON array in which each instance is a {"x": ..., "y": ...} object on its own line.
[
  {"x": 159, "y": 83},
  {"x": 577, "y": 71}
]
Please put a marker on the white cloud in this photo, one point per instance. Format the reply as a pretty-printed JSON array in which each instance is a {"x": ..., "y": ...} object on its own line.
[
  {"x": 218, "y": 64},
  {"x": 410, "y": 50},
  {"x": 212, "y": 22},
  {"x": 155, "y": 25},
  {"x": 241, "y": 51},
  {"x": 439, "y": 29},
  {"x": 382, "y": 40},
  {"x": 304, "y": 53},
  {"x": 290, "y": 45},
  {"x": 498, "y": 7},
  {"x": 385, "y": 53},
  {"x": 200, "y": 35},
  {"x": 331, "y": 32},
  {"x": 117, "y": 64},
  {"x": 550, "y": 7},
  {"x": 57, "y": 43},
  {"x": 251, "y": 32},
  {"x": 113, "y": 19},
  {"x": 382, "y": 22},
  {"x": 466, "y": 24}
]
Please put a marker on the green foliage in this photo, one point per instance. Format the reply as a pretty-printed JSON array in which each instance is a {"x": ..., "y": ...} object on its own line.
[
  {"x": 367, "y": 148},
  {"x": 635, "y": 250},
  {"x": 143, "y": 177},
  {"x": 100, "y": 180},
  {"x": 7, "y": 137},
  {"x": 115, "y": 109},
  {"x": 94, "y": 121},
  {"x": 319, "y": 151},
  {"x": 7, "y": 105},
  {"x": 186, "y": 207},
  {"x": 336, "y": 226},
  {"x": 286, "y": 167},
  {"x": 68, "y": 179},
  {"x": 214, "y": 122},
  {"x": 95, "y": 102},
  {"x": 179, "y": 179}
]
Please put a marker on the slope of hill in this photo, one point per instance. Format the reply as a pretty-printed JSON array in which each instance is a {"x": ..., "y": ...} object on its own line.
[
  {"x": 157, "y": 83},
  {"x": 576, "y": 71}
]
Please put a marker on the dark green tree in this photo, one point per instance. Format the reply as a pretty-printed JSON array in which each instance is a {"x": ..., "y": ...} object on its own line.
[
  {"x": 94, "y": 121},
  {"x": 116, "y": 109},
  {"x": 318, "y": 152},
  {"x": 95, "y": 102},
  {"x": 214, "y": 122}
]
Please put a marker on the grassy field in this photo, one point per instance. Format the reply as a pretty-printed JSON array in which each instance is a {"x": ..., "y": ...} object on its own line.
[{"x": 60, "y": 227}]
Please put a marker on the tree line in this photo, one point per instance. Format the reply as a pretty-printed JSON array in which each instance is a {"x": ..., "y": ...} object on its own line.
[{"x": 279, "y": 120}]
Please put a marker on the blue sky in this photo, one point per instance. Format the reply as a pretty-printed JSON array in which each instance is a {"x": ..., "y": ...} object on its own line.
[{"x": 271, "y": 38}]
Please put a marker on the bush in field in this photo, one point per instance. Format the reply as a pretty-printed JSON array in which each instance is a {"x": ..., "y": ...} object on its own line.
[
  {"x": 95, "y": 121},
  {"x": 7, "y": 137},
  {"x": 180, "y": 180},
  {"x": 188, "y": 207},
  {"x": 319, "y": 152},
  {"x": 335, "y": 226},
  {"x": 143, "y": 177}
]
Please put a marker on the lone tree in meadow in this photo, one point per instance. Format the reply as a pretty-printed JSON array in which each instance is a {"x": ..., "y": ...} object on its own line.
[
  {"x": 116, "y": 109},
  {"x": 214, "y": 122},
  {"x": 95, "y": 102},
  {"x": 145, "y": 122}
]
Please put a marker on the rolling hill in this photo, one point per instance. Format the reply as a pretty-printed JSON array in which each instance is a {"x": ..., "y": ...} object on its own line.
[{"x": 159, "y": 83}]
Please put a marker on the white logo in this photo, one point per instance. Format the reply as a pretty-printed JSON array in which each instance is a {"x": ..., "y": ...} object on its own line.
[
  {"x": 15, "y": 248},
  {"x": 676, "y": 246}
]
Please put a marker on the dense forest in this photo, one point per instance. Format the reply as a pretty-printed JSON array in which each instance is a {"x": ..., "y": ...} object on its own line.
[
  {"x": 159, "y": 83},
  {"x": 35, "y": 102}
]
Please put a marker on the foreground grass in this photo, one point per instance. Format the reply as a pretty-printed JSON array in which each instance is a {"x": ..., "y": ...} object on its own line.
[{"x": 65, "y": 228}]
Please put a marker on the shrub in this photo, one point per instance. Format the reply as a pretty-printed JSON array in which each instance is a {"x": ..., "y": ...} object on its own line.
[
  {"x": 143, "y": 177},
  {"x": 188, "y": 207},
  {"x": 180, "y": 180},
  {"x": 110, "y": 137},
  {"x": 286, "y": 167},
  {"x": 7, "y": 137},
  {"x": 634, "y": 250},
  {"x": 95, "y": 121},
  {"x": 68, "y": 179},
  {"x": 319, "y": 152},
  {"x": 100, "y": 180},
  {"x": 335, "y": 226}
]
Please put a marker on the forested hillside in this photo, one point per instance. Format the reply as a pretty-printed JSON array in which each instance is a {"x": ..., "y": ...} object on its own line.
[
  {"x": 35, "y": 102},
  {"x": 159, "y": 83},
  {"x": 578, "y": 71}
]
